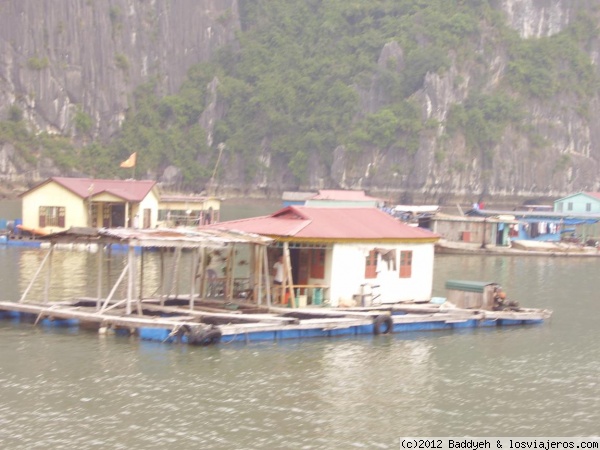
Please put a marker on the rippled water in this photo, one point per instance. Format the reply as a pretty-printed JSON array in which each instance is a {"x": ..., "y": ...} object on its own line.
[{"x": 64, "y": 389}]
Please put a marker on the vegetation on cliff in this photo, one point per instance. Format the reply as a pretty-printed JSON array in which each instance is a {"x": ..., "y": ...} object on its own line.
[{"x": 295, "y": 85}]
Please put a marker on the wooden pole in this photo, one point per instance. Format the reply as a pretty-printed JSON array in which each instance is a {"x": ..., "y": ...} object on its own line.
[
  {"x": 230, "y": 275},
  {"x": 37, "y": 273},
  {"x": 287, "y": 276},
  {"x": 175, "y": 273},
  {"x": 141, "y": 293},
  {"x": 266, "y": 276},
  {"x": 48, "y": 275},
  {"x": 202, "y": 270},
  {"x": 114, "y": 289},
  {"x": 99, "y": 287},
  {"x": 130, "y": 278},
  {"x": 162, "y": 276},
  {"x": 256, "y": 274},
  {"x": 193, "y": 277}
]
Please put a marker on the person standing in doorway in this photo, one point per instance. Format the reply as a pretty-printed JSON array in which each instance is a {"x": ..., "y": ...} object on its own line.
[{"x": 278, "y": 278}]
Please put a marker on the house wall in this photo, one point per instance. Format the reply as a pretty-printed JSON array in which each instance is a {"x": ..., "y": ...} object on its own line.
[
  {"x": 52, "y": 194},
  {"x": 149, "y": 202},
  {"x": 578, "y": 203},
  {"x": 348, "y": 273},
  {"x": 458, "y": 231}
]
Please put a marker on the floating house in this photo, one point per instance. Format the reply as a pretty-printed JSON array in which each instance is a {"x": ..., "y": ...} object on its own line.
[
  {"x": 332, "y": 198},
  {"x": 337, "y": 198},
  {"x": 581, "y": 202},
  {"x": 203, "y": 316},
  {"x": 295, "y": 198},
  {"x": 546, "y": 226},
  {"x": 347, "y": 255},
  {"x": 469, "y": 232},
  {"x": 188, "y": 210},
  {"x": 60, "y": 203}
]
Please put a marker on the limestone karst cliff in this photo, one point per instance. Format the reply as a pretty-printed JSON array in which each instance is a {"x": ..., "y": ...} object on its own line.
[{"x": 503, "y": 115}]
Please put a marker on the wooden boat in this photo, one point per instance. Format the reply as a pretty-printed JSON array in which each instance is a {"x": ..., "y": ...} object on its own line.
[{"x": 34, "y": 231}]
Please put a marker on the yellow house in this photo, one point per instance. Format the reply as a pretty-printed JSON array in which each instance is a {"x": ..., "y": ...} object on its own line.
[
  {"x": 188, "y": 210},
  {"x": 60, "y": 203}
]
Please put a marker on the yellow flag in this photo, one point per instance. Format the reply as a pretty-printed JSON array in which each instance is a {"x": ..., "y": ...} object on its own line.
[{"x": 129, "y": 162}]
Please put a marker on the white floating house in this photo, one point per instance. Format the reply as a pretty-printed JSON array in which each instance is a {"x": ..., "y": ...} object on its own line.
[{"x": 340, "y": 254}]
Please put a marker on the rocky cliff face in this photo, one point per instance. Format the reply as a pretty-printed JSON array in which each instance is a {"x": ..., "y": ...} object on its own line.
[
  {"x": 443, "y": 168},
  {"x": 61, "y": 58},
  {"x": 75, "y": 55}
]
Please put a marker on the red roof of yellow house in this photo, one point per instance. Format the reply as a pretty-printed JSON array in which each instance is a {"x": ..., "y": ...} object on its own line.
[
  {"x": 129, "y": 190},
  {"x": 330, "y": 224}
]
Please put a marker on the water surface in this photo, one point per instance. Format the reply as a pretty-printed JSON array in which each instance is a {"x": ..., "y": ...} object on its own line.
[{"x": 69, "y": 389}]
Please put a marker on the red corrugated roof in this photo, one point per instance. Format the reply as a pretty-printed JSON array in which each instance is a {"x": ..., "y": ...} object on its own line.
[
  {"x": 594, "y": 194},
  {"x": 329, "y": 224},
  {"x": 129, "y": 190}
]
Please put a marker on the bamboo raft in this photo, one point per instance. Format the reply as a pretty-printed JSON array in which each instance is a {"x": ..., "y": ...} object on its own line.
[{"x": 195, "y": 318}]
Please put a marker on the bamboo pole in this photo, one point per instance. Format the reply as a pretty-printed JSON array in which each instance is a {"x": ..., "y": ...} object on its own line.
[
  {"x": 99, "y": 287},
  {"x": 257, "y": 274},
  {"x": 202, "y": 270},
  {"x": 175, "y": 273},
  {"x": 141, "y": 292},
  {"x": 130, "y": 278},
  {"x": 162, "y": 276},
  {"x": 193, "y": 277},
  {"x": 48, "y": 275},
  {"x": 229, "y": 274},
  {"x": 266, "y": 276},
  {"x": 114, "y": 289},
  {"x": 37, "y": 273},
  {"x": 287, "y": 271}
]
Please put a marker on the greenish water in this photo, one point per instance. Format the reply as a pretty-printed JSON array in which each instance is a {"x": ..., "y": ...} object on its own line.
[
  {"x": 10, "y": 209},
  {"x": 75, "y": 389}
]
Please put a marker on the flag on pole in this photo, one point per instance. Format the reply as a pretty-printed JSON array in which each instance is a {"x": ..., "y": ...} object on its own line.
[{"x": 129, "y": 162}]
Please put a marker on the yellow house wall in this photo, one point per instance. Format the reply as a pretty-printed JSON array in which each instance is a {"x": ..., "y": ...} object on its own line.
[
  {"x": 53, "y": 194},
  {"x": 149, "y": 202}
]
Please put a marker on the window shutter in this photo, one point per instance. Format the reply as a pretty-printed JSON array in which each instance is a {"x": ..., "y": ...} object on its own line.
[
  {"x": 61, "y": 217},
  {"x": 42, "y": 216}
]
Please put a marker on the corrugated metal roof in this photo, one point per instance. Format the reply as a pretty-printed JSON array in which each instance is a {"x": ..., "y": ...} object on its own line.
[
  {"x": 330, "y": 224},
  {"x": 160, "y": 237},
  {"x": 129, "y": 190}
]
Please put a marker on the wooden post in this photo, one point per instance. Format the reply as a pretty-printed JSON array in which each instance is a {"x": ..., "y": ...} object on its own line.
[
  {"x": 256, "y": 270},
  {"x": 37, "y": 273},
  {"x": 48, "y": 275},
  {"x": 162, "y": 276},
  {"x": 99, "y": 287},
  {"x": 193, "y": 277},
  {"x": 130, "y": 278},
  {"x": 202, "y": 271},
  {"x": 114, "y": 289},
  {"x": 288, "y": 281},
  {"x": 141, "y": 293},
  {"x": 266, "y": 276},
  {"x": 175, "y": 273},
  {"x": 229, "y": 274}
]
